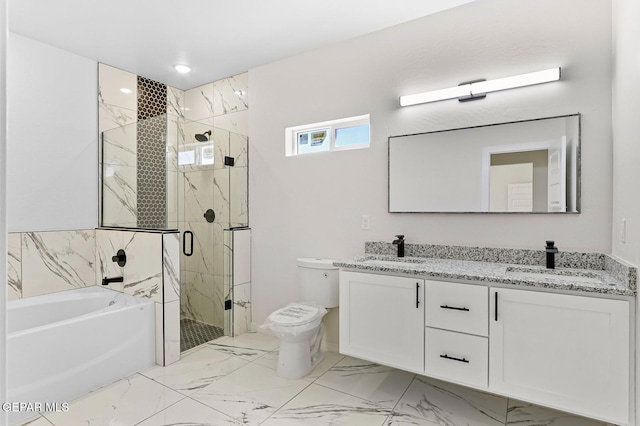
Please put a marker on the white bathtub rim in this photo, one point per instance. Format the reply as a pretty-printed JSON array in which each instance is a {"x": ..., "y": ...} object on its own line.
[{"x": 96, "y": 292}]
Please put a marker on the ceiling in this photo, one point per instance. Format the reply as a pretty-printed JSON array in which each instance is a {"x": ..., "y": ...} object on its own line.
[{"x": 217, "y": 38}]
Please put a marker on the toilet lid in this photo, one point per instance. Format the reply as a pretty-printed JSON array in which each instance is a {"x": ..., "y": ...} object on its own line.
[{"x": 294, "y": 315}]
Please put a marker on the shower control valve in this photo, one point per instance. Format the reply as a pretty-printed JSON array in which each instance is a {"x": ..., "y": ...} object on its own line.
[{"x": 120, "y": 258}]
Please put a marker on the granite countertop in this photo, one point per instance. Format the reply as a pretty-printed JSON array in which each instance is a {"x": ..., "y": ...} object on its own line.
[{"x": 599, "y": 281}]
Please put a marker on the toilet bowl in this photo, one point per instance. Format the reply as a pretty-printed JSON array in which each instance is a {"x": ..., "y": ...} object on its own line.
[
  {"x": 299, "y": 325},
  {"x": 299, "y": 328}
]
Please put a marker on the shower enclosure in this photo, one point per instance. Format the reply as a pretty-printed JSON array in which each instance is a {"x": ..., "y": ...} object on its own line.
[{"x": 167, "y": 172}]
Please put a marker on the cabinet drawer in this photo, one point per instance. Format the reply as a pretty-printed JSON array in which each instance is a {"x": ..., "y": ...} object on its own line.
[
  {"x": 455, "y": 356},
  {"x": 457, "y": 307}
]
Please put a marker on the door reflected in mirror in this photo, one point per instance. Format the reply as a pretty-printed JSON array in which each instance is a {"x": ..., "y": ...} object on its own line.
[{"x": 529, "y": 166}]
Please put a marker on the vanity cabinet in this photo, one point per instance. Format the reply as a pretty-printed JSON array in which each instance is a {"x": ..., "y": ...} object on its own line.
[
  {"x": 563, "y": 351},
  {"x": 382, "y": 319},
  {"x": 456, "y": 346}
]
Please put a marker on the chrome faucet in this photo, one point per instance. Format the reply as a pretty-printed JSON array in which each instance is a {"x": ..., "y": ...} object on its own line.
[
  {"x": 107, "y": 281},
  {"x": 400, "y": 243},
  {"x": 551, "y": 254}
]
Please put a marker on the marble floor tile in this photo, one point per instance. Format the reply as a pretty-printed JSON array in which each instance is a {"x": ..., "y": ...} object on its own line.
[
  {"x": 125, "y": 402},
  {"x": 38, "y": 421},
  {"x": 252, "y": 340},
  {"x": 330, "y": 359},
  {"x": 195, "y": 370},
  {"x": 250, "y": 394},
  {"x": 190, "y": 412},
  {"x": 432, "y": 402},
  {"x": 524, "y": 414},
  {"x": 367, "y": 380},
  {"x": 321, "y": 406}
]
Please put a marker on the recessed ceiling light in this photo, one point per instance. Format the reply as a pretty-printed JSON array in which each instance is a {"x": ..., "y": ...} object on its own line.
[
  {"x": 181, "y": 68},
  {"x": 125, "y": 90}
]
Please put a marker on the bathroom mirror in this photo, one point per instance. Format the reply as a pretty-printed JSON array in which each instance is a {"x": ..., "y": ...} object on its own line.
[{"x": 529, "y": 166}]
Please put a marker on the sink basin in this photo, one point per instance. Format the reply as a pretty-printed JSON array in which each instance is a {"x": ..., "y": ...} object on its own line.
[{"x": 537, "y": 274}]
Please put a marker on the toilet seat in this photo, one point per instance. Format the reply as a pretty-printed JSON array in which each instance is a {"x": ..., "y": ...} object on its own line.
[{"x": 294, "y": 315}]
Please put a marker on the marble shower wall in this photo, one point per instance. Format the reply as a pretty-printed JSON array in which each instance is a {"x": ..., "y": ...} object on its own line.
[
  {"x": 48, "y": 262},
  {"x": 150, "y": 108},
  {"x": 220, "y": 108}
]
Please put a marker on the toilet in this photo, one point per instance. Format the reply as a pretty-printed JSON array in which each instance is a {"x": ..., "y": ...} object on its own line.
[{"x": 299, "y": 325}]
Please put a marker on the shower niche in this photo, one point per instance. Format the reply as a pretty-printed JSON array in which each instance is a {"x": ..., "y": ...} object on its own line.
[{"x": 176, "y": 161}]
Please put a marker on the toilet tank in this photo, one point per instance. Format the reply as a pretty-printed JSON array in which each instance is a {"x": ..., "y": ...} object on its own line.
[{"x": 318, "y": 281}]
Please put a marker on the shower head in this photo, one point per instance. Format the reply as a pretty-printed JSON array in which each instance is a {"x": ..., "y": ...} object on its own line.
[{"x": 203, "y": 137}]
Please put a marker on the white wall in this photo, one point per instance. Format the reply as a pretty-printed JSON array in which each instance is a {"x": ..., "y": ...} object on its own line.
[
  {"x": 626, "y": 110},
  {"x": 3, "y": 208},
  {"x": 312, "y": 205},
  {"x": 626, "y": 158},
  {"x": 52, "y": 175}
]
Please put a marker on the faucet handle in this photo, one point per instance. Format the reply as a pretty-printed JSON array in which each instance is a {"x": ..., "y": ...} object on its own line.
[
  {"x": 400, "y": 237},
  {"x": 550, "y": 243}
]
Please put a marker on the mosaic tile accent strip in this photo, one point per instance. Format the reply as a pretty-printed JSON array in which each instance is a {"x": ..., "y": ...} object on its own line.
[
  {"x": 194, "y": 333},
  {"x": 565, "y": 259},
  {"x": 151, "y": 161}
]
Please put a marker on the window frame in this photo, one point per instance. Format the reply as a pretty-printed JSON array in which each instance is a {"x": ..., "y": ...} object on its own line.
[{"x": 291, "y": 134}]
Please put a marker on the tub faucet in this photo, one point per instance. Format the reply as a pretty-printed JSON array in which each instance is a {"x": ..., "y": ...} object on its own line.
[
  {"x": 551, "y": 255},
  {"x": 107, "y": 281},
  {"x": 400, "y": 243}
]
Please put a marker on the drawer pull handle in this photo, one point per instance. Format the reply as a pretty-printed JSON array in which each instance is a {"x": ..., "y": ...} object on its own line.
[
  {"x": 454, "y": 308},
  {"x": 417, "y": 295},
  {"x": 454, "y": 358}
]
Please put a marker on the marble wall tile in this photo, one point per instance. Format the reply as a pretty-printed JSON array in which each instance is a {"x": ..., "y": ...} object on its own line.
[
  {"x": 143, "y": 271},
  {"x": 198, "y": 102},
  {"x": 218, "y": 301},
  {"x": 171, "y": 332},
  {"x": 195, "y": 155},
  {"x": 175, "y": 139},
  {"x": 241, "y": 256},
  {"x": 237, "y": 122},
  {"x": 221, "y": 201},
  {"x": 238, "y": 149},
  {"x": 241, "y": 309},
  {"x": 238, "y": 199},
  {"x": 175, "y": 102},
  {"x": 159, "y": 333},
  {"x": 119, "y": 196},
  {"x": 221, "y": 139},
  {"x": 198, "y": 195},
  {"x": 110, "y": 81},
  {"x": 231, "y": 94},
  {"x": 171, "y": 266},
  {"x": 120, "y": 146},
  {"x": 112, "y": 117},
  {"x": 14, "y": 266},
  {"x": 203, "y": 247},
  {"x": 57, "y": 260},
  {"x": 108, "y": 242},
  {"x": 197, "y": 297},
  {"x": 173, "y": 203}
]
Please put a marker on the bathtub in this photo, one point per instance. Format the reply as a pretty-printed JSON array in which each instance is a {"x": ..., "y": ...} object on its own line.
[{"x": 63, "y": 345}]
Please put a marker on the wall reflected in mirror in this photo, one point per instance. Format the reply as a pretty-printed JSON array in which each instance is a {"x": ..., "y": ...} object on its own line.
[{"x": 529, "y": 166}]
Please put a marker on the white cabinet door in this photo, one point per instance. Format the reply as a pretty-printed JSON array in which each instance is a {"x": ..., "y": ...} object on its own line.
[
  {"x": 382, "y": 319},
  {"x": 562, "y": 351}
]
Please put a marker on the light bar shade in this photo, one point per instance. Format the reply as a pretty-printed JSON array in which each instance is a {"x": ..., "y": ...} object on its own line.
[{"x": 475, "y": 89}]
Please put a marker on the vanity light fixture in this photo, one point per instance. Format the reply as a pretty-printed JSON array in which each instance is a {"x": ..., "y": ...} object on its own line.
[
  {"x": 125, "y": 90},
  {"x": 182, "y": 69},
  {"x": 477, "y": 89}
]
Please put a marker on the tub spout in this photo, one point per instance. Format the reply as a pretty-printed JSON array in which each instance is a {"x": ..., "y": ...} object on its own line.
[{"x": 107, "y": 281}]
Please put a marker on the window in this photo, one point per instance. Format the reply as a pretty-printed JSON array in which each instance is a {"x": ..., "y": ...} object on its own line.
[{"x": 334, "y": 135}]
